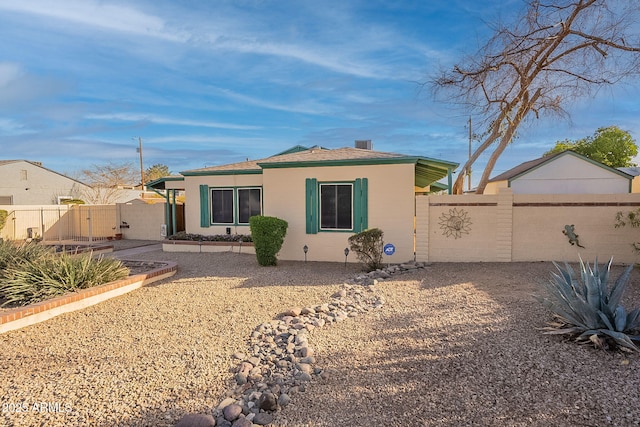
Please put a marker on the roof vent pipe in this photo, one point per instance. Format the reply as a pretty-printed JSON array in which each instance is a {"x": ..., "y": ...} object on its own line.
[{"x": 364, "y": 144}]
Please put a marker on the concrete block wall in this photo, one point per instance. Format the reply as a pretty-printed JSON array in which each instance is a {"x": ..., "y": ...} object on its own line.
[{"x": 507, "y": 227}]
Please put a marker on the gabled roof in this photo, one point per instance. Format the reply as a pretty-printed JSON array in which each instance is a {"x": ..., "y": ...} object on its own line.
[
  {"x": 39, "y": 165},
  {"x": 527, "y": 167},
  {"x": 427, "y": 170},
  {"x": 293, "y": 149},
  {"x": 241, "y": 168}
]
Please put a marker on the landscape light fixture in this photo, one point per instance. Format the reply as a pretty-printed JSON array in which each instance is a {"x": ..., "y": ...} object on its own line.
[
  {"x": 305, "y": 249},
  {"x": 346, "y": 255}
]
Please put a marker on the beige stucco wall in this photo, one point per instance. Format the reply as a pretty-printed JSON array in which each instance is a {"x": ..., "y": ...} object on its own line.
[
  {"x": 518, "y": 227},
  {"x": 192, "y": 206},
  {"x": 494, "y": 187},
  {"x": 434, "y": 242},
  {"x": 537, "y": 230},
  {"x": 390, "y": 208},
  {"x": 144, "y": 220}
]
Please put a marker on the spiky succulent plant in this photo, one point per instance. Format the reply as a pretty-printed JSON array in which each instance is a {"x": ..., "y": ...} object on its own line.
[{"x": 588, "y": 308}]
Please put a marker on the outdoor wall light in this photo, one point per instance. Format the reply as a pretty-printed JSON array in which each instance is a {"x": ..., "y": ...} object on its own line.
[
  {"x": 346, "y": 255},
  {"x": 305, "y": 249}
]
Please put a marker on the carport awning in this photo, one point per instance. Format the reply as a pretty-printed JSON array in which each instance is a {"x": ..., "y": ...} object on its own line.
[
  {"x": 161, "y": 183},
  {"x": 429, "y": 171}
]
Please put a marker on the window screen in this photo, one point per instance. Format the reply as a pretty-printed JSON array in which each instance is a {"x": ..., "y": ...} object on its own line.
[{"x": 336, "y": 206}]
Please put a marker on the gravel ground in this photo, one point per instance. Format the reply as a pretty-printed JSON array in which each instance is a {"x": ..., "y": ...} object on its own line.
[{"x": 455, "y": 344}]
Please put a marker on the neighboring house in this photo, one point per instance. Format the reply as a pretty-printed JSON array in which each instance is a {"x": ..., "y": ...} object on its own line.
[
  {"x": 29, "y": 183},
  {"x": 562, "y": 173},
  {"x": 325, "y": 196},
  {"x": 635, "y": 173}
]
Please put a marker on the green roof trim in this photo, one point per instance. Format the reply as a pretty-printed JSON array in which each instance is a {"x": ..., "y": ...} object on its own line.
[
  {"x": 294, "y": 149},
  {"x": 158, "y": 184},
  {"x": 223, "y": 172},
  {"x": 424, "y": 161},
  {"x": 427, "y": 170},
  {"x": 437, "y": 186}
]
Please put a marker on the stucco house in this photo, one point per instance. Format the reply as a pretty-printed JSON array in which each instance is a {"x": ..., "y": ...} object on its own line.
[
  {"x": 325, "y": 195},
  {"x": 23, "y": 182},
  {"x": 563, "y": 173}
]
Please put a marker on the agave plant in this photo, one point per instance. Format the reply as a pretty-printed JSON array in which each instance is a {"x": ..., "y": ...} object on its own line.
[{"x": 588, "y": 308}]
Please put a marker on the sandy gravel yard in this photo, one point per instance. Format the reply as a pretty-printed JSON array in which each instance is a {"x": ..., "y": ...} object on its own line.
[{"x": 454, "y": 344}]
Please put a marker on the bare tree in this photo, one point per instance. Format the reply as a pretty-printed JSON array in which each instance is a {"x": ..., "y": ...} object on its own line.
[
  {"x": 107, "y": 180},
  {"x": 558, "y": 51}
]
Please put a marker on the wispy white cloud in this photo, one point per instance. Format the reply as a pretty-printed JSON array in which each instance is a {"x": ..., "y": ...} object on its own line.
[
  {"x": 10, "y": 127},
  {"x": 96, "y": 14},
  {"x": 308, "y": 107},
  {"x": 152, "y": 118}
]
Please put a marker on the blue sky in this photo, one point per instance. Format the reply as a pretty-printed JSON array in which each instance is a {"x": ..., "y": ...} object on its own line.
[{"x": 214, "y": 82}]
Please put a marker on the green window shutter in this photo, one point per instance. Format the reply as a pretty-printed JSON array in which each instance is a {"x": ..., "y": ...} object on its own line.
[
  {"x": 311, "y": 205},
  {"x": 360, "y": 204},
  {"x": 204, "y": 206}
]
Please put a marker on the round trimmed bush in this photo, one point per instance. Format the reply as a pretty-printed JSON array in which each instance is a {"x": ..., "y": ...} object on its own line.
[{"x": 268, "y": 234}]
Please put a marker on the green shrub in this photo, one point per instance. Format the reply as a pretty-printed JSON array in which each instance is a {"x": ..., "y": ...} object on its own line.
[
  {"x": 72, "y": 202},
  {"x": 368, "y": 246},
  {"x": 182, "y": 235},
  {"x": 3, "y": 218},
  {"x": 35, "y": 273},
  {"x": 268, "y": 234},
  {"x": 589, "y": 309}
]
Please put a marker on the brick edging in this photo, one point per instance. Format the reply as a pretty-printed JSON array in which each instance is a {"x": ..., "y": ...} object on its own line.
[{"x": 22, "y": 316}]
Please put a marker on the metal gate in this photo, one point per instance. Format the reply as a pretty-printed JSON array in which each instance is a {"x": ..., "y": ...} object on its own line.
[{"x": 76, "y": 223}]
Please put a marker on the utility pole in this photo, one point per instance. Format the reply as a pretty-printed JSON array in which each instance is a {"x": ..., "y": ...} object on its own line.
[
  {"x": 470, "y": 138},
  {"x": 139, "y": 150}
]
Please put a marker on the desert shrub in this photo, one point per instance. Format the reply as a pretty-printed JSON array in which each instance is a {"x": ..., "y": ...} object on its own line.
[
  {"x": 3, "y": 218},
  {"x": 268, "y": 235},
  {"x": 35, "y": 273},
  {"x": 589, "y": 309},
  {"x": 14, "y": 255},
  {"x": 181, "y": 235},
  {"x": 368, "y": 247}
]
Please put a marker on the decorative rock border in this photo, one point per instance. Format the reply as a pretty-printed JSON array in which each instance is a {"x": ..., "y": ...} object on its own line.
[
  {"x": 39, "y": 312},
  {"x": 280, "y": 362}
]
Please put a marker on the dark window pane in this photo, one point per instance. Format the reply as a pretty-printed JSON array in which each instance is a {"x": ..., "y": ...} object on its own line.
[
  {"x": 248, "y": 204},
  {"x": 222, "y": 206},
  {"x": 344, "y": 207},
  {"x": 335, "y": 206}
]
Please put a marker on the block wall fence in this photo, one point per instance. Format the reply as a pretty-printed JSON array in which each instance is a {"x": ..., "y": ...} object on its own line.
[{"x": 511, "y": 227}]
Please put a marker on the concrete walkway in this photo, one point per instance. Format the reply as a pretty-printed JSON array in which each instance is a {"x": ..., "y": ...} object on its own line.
[{"x": 131, "y": 252}]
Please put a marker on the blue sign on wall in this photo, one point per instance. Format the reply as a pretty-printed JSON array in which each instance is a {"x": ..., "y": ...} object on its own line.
[{"x": 389, "y": 249}]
